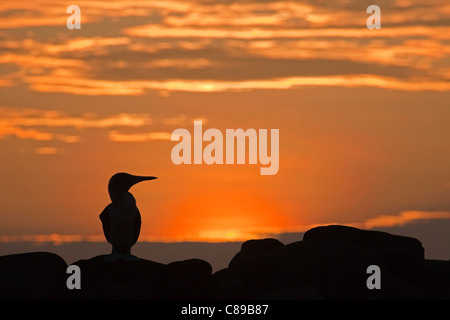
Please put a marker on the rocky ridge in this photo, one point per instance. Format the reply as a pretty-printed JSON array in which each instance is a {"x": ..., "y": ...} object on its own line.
[{"x": 329, "y": 263}]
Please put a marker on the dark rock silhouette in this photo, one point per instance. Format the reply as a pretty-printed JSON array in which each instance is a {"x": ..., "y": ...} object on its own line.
[
  {"x": 245, "y": 277},
  {"x": 253, "y": 248},
  {"x": 119, "y": 279},
  {"x": 434, "y": 279},
  {"x": 403, "y": 255},
  {"x": 143, "y": 279},
  {"x": 329, "y": 263},
  {"x": 188, "y": 279},
  {"x": 35, "y": 275},
  {"x": 336, "y": 270}
]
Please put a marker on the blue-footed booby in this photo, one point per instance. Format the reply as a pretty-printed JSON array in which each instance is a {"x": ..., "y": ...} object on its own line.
[{"x": 121, "y": 219}]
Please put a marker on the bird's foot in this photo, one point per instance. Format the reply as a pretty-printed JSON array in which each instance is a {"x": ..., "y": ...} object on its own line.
[
  {"x": 129, "y": 257},
  {"x": 115, "y": 256}
]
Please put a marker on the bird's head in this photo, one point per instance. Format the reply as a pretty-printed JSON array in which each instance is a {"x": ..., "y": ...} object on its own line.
[{"x": 121, "y": 182}]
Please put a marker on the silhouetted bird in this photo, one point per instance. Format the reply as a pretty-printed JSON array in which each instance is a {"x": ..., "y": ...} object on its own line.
[{"x": 121, "y": 219}]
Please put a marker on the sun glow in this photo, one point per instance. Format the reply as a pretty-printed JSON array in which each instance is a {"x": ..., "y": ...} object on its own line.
[
  {"x": 226, "y": 235},
  {"x": 213, "y": 217}
]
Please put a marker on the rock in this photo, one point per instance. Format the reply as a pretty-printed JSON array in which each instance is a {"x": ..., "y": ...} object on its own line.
[
  {"x": 335, "y": 270},
  {"x": 397, "y": 289},
  {"x": 139, "y": 279},
  {"x": 34, "y": 275},
  {"x": 404, "y": 256},
  {"x": 434, "y": 280},
  {"x": 260, "y": 245},
  {"x": 189, "y": 279},
  {"x": 226, "y": 285},
  {"x": 253, "y": 248},
  {"x": 242, "y": 279},
  {"x": 144, "y": 279},
  {"x": 330, "y": 263}
]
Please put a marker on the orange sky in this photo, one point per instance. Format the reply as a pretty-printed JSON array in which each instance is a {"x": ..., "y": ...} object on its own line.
[{"x": 363, "y": 114}]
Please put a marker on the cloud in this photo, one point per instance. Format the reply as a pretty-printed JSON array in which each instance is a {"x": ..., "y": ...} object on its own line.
[
  {"x": 200, "y": 13},
  {"x": 103, "y": 87},
  {"x": 20, "y": 14},
  {"x": 84, "y": 44},
  {"x": 52, "y": 118},
  {"x": 425, "y": 60},
  {"x": 46, "y": 125},
  {"x": 307, "y": 14},
  {"x": 18, "y": 132},
  {"x": 41, "y": 62},
  {"x": 156, "y": 31},
  {"x": 54, "y": 238},
  {"x": 47, "y": 150},
  {"x": 179, "y": 63},
  {"x": 58, "y": 239},
  {"x": 189, "y": 39},
  {"x": 5, "y": 83},
  {"x": 378, "y": 222},
  {"x": 423, "y": 53},
  {"x": 21, "y": 133},
  {"x": 139, "y": 137},
  {"x": 403, "y": 218},
  {"x": 28, "y": 124}
]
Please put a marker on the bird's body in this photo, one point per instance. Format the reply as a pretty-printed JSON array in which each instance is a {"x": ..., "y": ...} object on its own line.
[
  {"x": 121, "y": 219},
  {"x": 122, "y": 224}
]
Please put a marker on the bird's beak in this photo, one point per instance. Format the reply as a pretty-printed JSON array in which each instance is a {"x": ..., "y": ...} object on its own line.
[{"x": 143, "y": 178}]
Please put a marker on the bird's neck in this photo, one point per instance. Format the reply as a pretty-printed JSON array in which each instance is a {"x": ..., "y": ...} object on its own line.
[
  {"x": 125, "y": 199},
  {"x": 117, "y": 193}
]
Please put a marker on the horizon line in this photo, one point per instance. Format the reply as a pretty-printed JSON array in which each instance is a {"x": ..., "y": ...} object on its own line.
[{"x": 221, "y": 236}]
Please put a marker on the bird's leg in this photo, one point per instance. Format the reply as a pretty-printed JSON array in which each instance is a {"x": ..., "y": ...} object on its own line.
[
  {"x": 114, "y": 256},
  {"x": 129, "y": 257}
]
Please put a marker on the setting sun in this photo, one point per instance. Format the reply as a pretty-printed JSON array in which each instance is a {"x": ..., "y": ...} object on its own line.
[{"x": 225, "y": 217}]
